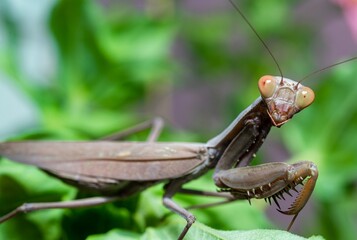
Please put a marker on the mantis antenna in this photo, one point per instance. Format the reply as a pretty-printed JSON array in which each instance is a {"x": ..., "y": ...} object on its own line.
[
  {"x": 326, "y": 68},
  {"x": 259, "y": 37}
]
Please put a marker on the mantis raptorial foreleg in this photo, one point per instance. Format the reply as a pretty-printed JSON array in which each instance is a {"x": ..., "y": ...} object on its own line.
[{"x": 271, "y": 180}]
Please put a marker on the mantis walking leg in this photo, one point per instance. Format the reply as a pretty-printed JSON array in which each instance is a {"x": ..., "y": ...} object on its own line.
[
  {"x": 156, "y": 125},
  {"x": 85, "y": 202}
]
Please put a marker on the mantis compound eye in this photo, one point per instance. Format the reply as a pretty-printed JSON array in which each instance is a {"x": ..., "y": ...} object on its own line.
[
  {"x": 267, "y": 85},
  {"x": 304, "y": 97}
]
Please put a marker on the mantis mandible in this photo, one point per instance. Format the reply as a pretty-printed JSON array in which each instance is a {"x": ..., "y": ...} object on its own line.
[{"x": 121, "y": 169}]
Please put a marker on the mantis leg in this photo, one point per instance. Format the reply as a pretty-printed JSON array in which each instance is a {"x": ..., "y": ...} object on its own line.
[
  {"x": 171, "y": 189},
  {"x": 86, "y": 202},
  {"x": 214, "y": 204},
  {"x": 175, "y": 186},
  {"x": 228, "y": 197},
  {"x": 270, "y": 180},
  {"x": 156, "y": 125},
  {"x": 205, "y": 193}
]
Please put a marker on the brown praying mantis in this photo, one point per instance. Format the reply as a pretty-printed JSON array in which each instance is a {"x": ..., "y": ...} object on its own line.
[{"x": 120, "y": 169}]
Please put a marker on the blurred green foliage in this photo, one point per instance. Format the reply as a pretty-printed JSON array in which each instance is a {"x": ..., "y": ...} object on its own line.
[{"x": 111, "y": 57}]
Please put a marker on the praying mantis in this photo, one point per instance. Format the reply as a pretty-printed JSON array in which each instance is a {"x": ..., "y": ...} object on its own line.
[{"x": 238, "y": 143}]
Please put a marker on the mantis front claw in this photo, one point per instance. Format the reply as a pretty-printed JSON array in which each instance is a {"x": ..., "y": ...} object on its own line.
[{"x": 271, "y": 180}]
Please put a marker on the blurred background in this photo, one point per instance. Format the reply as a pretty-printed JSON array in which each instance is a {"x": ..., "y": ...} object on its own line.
[{"x": 79, "y": 70}]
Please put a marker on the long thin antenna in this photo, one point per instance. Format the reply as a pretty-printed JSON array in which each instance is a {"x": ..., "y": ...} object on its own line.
[
  {"x": 256, "y": 33},
  {"x": 328, "y": 67}
]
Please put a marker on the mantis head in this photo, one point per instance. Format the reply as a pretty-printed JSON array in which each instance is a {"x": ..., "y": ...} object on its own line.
[{"x": 284, "y": 97}]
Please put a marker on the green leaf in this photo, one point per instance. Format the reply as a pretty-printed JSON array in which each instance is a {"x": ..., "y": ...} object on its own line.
[{"x": 199, "y": 231}]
